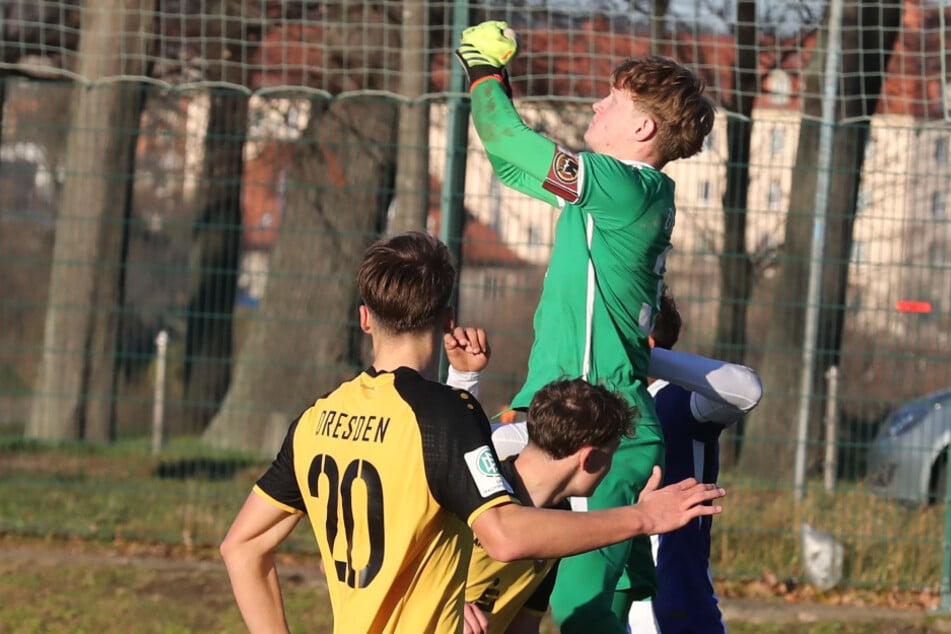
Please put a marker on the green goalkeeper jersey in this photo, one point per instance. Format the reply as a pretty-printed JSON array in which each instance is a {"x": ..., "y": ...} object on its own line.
[
  {"x": 602, "y": 288},
  {"x": 601, "y": 291}
]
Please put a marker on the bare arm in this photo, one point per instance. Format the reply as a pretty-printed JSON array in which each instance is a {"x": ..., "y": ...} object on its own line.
[
  {"x": 248, "y": 552},
  {"x": 510, "y": 531}
]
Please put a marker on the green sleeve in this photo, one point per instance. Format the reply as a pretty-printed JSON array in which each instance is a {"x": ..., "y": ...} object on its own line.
[
  {"x": 520, "y": 156},
  {"x": 513, "y": 177}
]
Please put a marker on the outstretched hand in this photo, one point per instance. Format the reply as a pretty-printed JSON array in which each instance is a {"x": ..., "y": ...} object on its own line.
[
  {"x": 671, "y": 507},
  {"x": 467, "y": 349}
]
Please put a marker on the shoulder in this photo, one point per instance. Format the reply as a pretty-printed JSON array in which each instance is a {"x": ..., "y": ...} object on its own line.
[
  {"x": 412, "y": 386},
  {"x": 434, "y": 400},
  {"x": 626, "y": 182}
]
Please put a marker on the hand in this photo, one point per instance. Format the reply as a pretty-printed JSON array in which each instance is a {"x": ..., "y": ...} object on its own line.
[
  {"x": 484, "y": 51},
  {"x": 474, "y": 620},
  {"x": 673, "y": 506},
  {"x": 467, "y": 349}
]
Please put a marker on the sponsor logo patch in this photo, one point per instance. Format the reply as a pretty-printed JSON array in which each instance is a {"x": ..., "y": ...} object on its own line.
[{"x": 485, "y": 471}]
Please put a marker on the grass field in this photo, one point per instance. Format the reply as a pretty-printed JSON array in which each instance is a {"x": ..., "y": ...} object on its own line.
[
  {"x": 60, "y": 586},
  {"x": 174, "y": 508},
  {"x": 187, "y": 497}
]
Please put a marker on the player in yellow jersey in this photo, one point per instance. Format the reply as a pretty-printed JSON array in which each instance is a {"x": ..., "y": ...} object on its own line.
[
  {"x": 574, "y": 428},
  {"x": 391, "y": 467}
]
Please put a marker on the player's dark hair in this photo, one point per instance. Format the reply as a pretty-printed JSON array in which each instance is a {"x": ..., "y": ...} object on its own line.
[
  {"x": 673, "y": 95},
  {"x": 667, "y": 323},
  {"x": 569, "y": 414},
  {"x": 406, "y": 281}
]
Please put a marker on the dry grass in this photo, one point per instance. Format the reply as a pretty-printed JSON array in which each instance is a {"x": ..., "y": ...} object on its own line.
[
  {"x": 187, "y": 498},
  {"x": 887, "y": 545}
]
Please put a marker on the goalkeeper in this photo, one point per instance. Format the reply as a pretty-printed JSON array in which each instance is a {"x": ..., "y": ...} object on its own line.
[{"x": 605, "y": 275}]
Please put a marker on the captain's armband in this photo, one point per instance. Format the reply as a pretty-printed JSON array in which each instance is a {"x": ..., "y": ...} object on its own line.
[{"x": 564, "y": 176}]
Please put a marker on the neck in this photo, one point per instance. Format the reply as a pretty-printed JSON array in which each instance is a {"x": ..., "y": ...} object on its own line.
[
  {"x": 543, "y": 479},
  {"x": 416, "y": 351}
]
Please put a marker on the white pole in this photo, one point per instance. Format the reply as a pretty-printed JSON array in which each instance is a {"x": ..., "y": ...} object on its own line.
[
  {"x": 158, "y": 402},
  {"x": 813, "y": 294},
  {"x": 832, "y": 426}
]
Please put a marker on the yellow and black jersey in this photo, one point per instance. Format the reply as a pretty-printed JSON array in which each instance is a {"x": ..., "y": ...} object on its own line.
[
  {"x": 501, "y": 590},
  {"x": 390, "y": 468}
]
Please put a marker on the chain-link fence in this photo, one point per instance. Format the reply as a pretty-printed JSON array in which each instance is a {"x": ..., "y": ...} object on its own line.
[{"x": 207, "y": 175}]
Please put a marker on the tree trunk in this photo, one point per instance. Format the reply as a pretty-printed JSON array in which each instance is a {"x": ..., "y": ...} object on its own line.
[
  {"x": 303, "y": 341},
  {"x": 867, "y": 46},
  {"x": 73, "y": 396},
  {"x": 658, "y": 20},
  {"x": 215, "y": 262},
  {"x": 736, "y": 267},
  {"x": 868, "y": 39},
  {"x": 412, "y": 166}
]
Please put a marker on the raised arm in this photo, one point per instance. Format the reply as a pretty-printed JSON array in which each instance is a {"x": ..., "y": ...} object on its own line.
[
  {"x": 521, "y": 181},
  {"x": 513, "y": 147},
  {"x": 520, "y": 156},
  {"x": 468, "y": 352}
]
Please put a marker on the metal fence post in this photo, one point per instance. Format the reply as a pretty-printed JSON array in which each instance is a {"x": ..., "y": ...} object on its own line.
[
  {"x": 814, "y": 290},
  {"x": 945, "y": 606},
  {"x": 451, "y": 221},
  {"x": 832, "y": 426},
  {"x": 158, "y": 399}
]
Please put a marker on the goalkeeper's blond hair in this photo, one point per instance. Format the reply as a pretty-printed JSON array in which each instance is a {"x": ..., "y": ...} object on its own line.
[{"x": 673, "y": 96}]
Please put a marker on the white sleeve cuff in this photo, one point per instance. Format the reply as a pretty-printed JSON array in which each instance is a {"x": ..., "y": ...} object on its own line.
[{"x": 468, "y": 381}]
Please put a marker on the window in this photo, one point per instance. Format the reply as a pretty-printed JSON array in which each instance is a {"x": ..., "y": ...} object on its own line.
[
  {"x": 938, "y": 254},
  {"x": 492, "y": 287},
  {"x": 858, "y": 252},
  {"x": 774, "y": 196},
  {"x": 861, "y": 201},
  {"x": 780, "y": 87},
  {"x": 533, "y": 236},
  {"x": 937, "y": 205},
  {"x": 777, "y": 139},
  {"x": 703, "y": 192},
  {"x": 941, "y": 151},
  {"x": 869, "y": 151}
]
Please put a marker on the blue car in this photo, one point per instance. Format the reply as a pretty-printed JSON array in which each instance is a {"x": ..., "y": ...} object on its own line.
[{"x": 908, "y": 460}]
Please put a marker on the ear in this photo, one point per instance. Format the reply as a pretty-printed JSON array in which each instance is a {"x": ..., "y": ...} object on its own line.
[
  {"x": 650, "y": 341},
  {"x": 365, "y": 319},
  {"x": 593, "y": 459},
  {"x": 644, "y": 128},
  {"x": 587, "y": 461}
]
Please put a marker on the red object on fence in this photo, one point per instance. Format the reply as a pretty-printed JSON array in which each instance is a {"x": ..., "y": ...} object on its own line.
[{"x": 909, "y": 306}]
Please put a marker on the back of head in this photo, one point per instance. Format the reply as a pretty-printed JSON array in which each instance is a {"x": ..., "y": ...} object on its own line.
[
  {"x": 406, "y": 281},
  {"x": 674, "y": 96},
  {"x": 569, "y": 414},
  {"x": 667, "y": 323}
]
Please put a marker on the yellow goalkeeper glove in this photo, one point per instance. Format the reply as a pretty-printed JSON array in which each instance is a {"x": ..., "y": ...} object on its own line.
[{"x": 484, "y": 51}]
